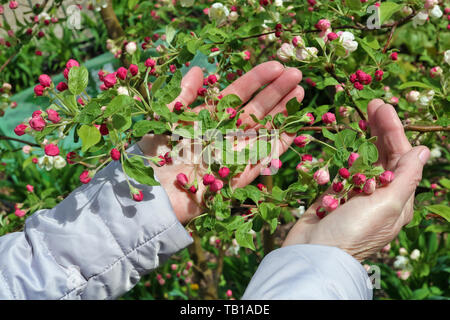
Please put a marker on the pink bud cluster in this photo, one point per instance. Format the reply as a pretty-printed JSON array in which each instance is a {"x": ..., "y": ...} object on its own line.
[
  {"x": 360, "y": 78},
  {"x": 345, "y": 182}
]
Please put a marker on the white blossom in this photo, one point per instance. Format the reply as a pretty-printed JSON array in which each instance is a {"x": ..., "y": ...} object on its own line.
[
  {"x": 131, "y": 47},
  {"x": 46, "y": 162},
  {"x": 286, "y": 52},
  {"x": 218, "y": 13},
  {"x": 187, "y": 3},
  {"x": 122, "y": 90},
  {"x": 436, "y": 12},
  {"x": 59, "y": 162},
  {"x": 420, "y": 18},
  {"x": 400, "y": 262},
  {"x": 447, "y": 56},
  {"x": 348, "y": 41},
  {"x": 415, "y": 254},
  {"x": 307, "y": 54}
]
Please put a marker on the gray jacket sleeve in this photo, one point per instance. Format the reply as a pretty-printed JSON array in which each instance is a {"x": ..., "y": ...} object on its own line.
[
  {"x": 96, "y": 244},
  {"x": 309, "y": 272}
]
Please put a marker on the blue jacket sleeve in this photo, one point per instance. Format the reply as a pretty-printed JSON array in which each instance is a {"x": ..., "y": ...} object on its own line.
[
  {"x": 309, "y": 272},
  {"x": 96, "y": 244}
]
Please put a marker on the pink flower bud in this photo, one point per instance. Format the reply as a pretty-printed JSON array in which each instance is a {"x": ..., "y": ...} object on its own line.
[
  {"x": 138, "y": 196},
  {"x": 39, "y": 90},
  {"x": 433, "y": 186},
  {"x": 51, "y": 150},
  {"x": 379, "y": 75},
  {"x": 45, "y": 80},
  {"x": 224, "y": 172},
  {"x": 20, "y": 213},
  {"x": 323, "y": 24},
  {"x": 70, "y": 157},
  {"x": 173, "y": 266},
  {"x": 150, "y": 63},
  {"x": 229, "y": 293},
  {"x": 358, "y": 86},
  {"x": 115, "y": 154},
  {"x": 338, "y": 186},
  {"x": 386, "y": 177},
  {"x": 122, "y": 73},
  {"x": 208, "y": 179},
  {"x": 182, "y": 179},
  {"x": 369, "y": 186},
  {"x": 328, "y": 118},
  {"x": 330, "y": 203},
  {"x": 110, "y": 80},
  {"x": 37, "y": 123},
  {"x": 310, "y": 115},
  {"x": 53, "y": 116},
  {"x": 216, "y": 186},
  {"x": 276, "y": 163},
  {"x": 20, "y": 129},
  {"x": 13, "y": 5},
  {"x": 232, "y": 112},
  {"x": 362, "y": 125},
  {"x": 322, "y": 176},
  {"x": 344, "y": 173},
  {"x": 212, "y": 79},
  {"x": 173, "y": 68},
  {"x": 85, "y": 177},
  {"x": 359, "y": 179},
  {"x": 307, "y": 157},
  {"x": 351, "y": 159},
  {"x": 178, "y": 106},
  {"x": 238, "y": 122},
  {"x": 302, "y": 141},
  {"x": 133, "y": 69},
  {"x": 72, "y": 63},
  {"x": 62, "y": 86},
  {"x": 320, "y": 212},
  {"x": 30, "y": 188},
  {"x": 394, "y": 56},
  {"x": 261, "y": 187}
]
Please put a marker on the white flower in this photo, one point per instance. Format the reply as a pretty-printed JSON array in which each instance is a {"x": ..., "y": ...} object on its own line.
[
  {"x": 286, "y": 52},
  {"x": 403, "y": 251},
  {"x": 218, "y": 13},
  {"x": 347, "y": 40},
  {"x": 46, "y": 162},
  {"x": 400, "y": 262},
  {"x": 447, "y": 56},
  {"x": 278, "y": 3},
  {"x": 436, "y": 12},
  {"x": 187, "y": 3},
  {"x": 122, "y": 90},
  {"x": 27, "y": 149},
  {"x": 43, "y": 16},
  {"x": 424, "y": 101},
  {"x": 306, "y": 54},
  {"x": 420, "y": 18},
  {"x": 59, "y": 162},
  {"x": 412, "y": 96},
  {"x": 299, "y": 211},
  {"x": 233, "y": 16},
  {"x": 435, "y": 153},
  {"x": 131, "y": 47},
  {"x": 415, "y": 254}
]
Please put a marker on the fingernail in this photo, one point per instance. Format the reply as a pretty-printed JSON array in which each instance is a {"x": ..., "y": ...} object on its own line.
[{"x": 424, "y": 155}]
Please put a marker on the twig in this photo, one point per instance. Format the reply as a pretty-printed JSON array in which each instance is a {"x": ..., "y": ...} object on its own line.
[{"x": 19, "y": 140}]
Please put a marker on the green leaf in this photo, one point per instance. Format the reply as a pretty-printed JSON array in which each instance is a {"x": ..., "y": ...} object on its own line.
[
  {"x": 118, "y": 104},
  {"x": 134, "y": 167},
  {"x": 445, "y": 183},
  {"x": 244, "y": 237},
  {"x": 415, "y": 84},
  {"x": 171, "y": 90},
  {"x": 89, "y": 136},
  {"x": 387, "y": 9},
  {"x": 292, "y": 106},
  {"x": 354, "y": 4},
  {"x": 170, "y": 33},
  {"x": 89, "y": 113},
  {"x": 229, "y": 101},
  {"x": 78, "y": 79},
  {"x": 440, "y": 209},
  {"x": 368, "y": 151},
  {"x": 345, "y": 138},
  {"x": 253, "y": 193},
  {"x": 158, "y": 83},
  {"x": 328, "y": 134},
  {"x": 145, "y": 126}
]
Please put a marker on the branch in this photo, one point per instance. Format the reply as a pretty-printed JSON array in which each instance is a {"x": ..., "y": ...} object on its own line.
[{"x": 19, "y": 140}]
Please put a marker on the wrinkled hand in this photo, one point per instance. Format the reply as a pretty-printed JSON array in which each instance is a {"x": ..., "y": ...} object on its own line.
[
  {"x": 281, "y": 85},
  {"x": 365, "y": 224}
]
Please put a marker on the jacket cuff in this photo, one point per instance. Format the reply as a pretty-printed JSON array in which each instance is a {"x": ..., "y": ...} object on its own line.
[{"x": 309, "y": 271}]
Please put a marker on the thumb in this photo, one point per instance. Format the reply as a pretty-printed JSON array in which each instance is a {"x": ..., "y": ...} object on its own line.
[{"x": 408, "y": 173}]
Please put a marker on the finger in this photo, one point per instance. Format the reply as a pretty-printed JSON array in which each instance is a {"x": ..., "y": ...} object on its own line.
[
  {"x": 298, "y": 93},
  {"x": 251, "y": 172},
  {"x": 392, "y": 142},
  {"x": 269, "y": 97},
  {"x": 249, "y": 83},
  {"x": 371, "y": 110},
  {"x": 407, "y": 176},
  {"x": 190, "y": 84}
]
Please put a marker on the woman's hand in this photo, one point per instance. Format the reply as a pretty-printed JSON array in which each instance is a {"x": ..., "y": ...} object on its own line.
[
  {"x": 281, "y": 85},
  {"x": 365, "y": 224}
]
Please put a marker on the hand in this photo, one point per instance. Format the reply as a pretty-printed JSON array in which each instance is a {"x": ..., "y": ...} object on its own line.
[
  {"x": 281, "y": 86},
  {"x": 365, "y": 224}
]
